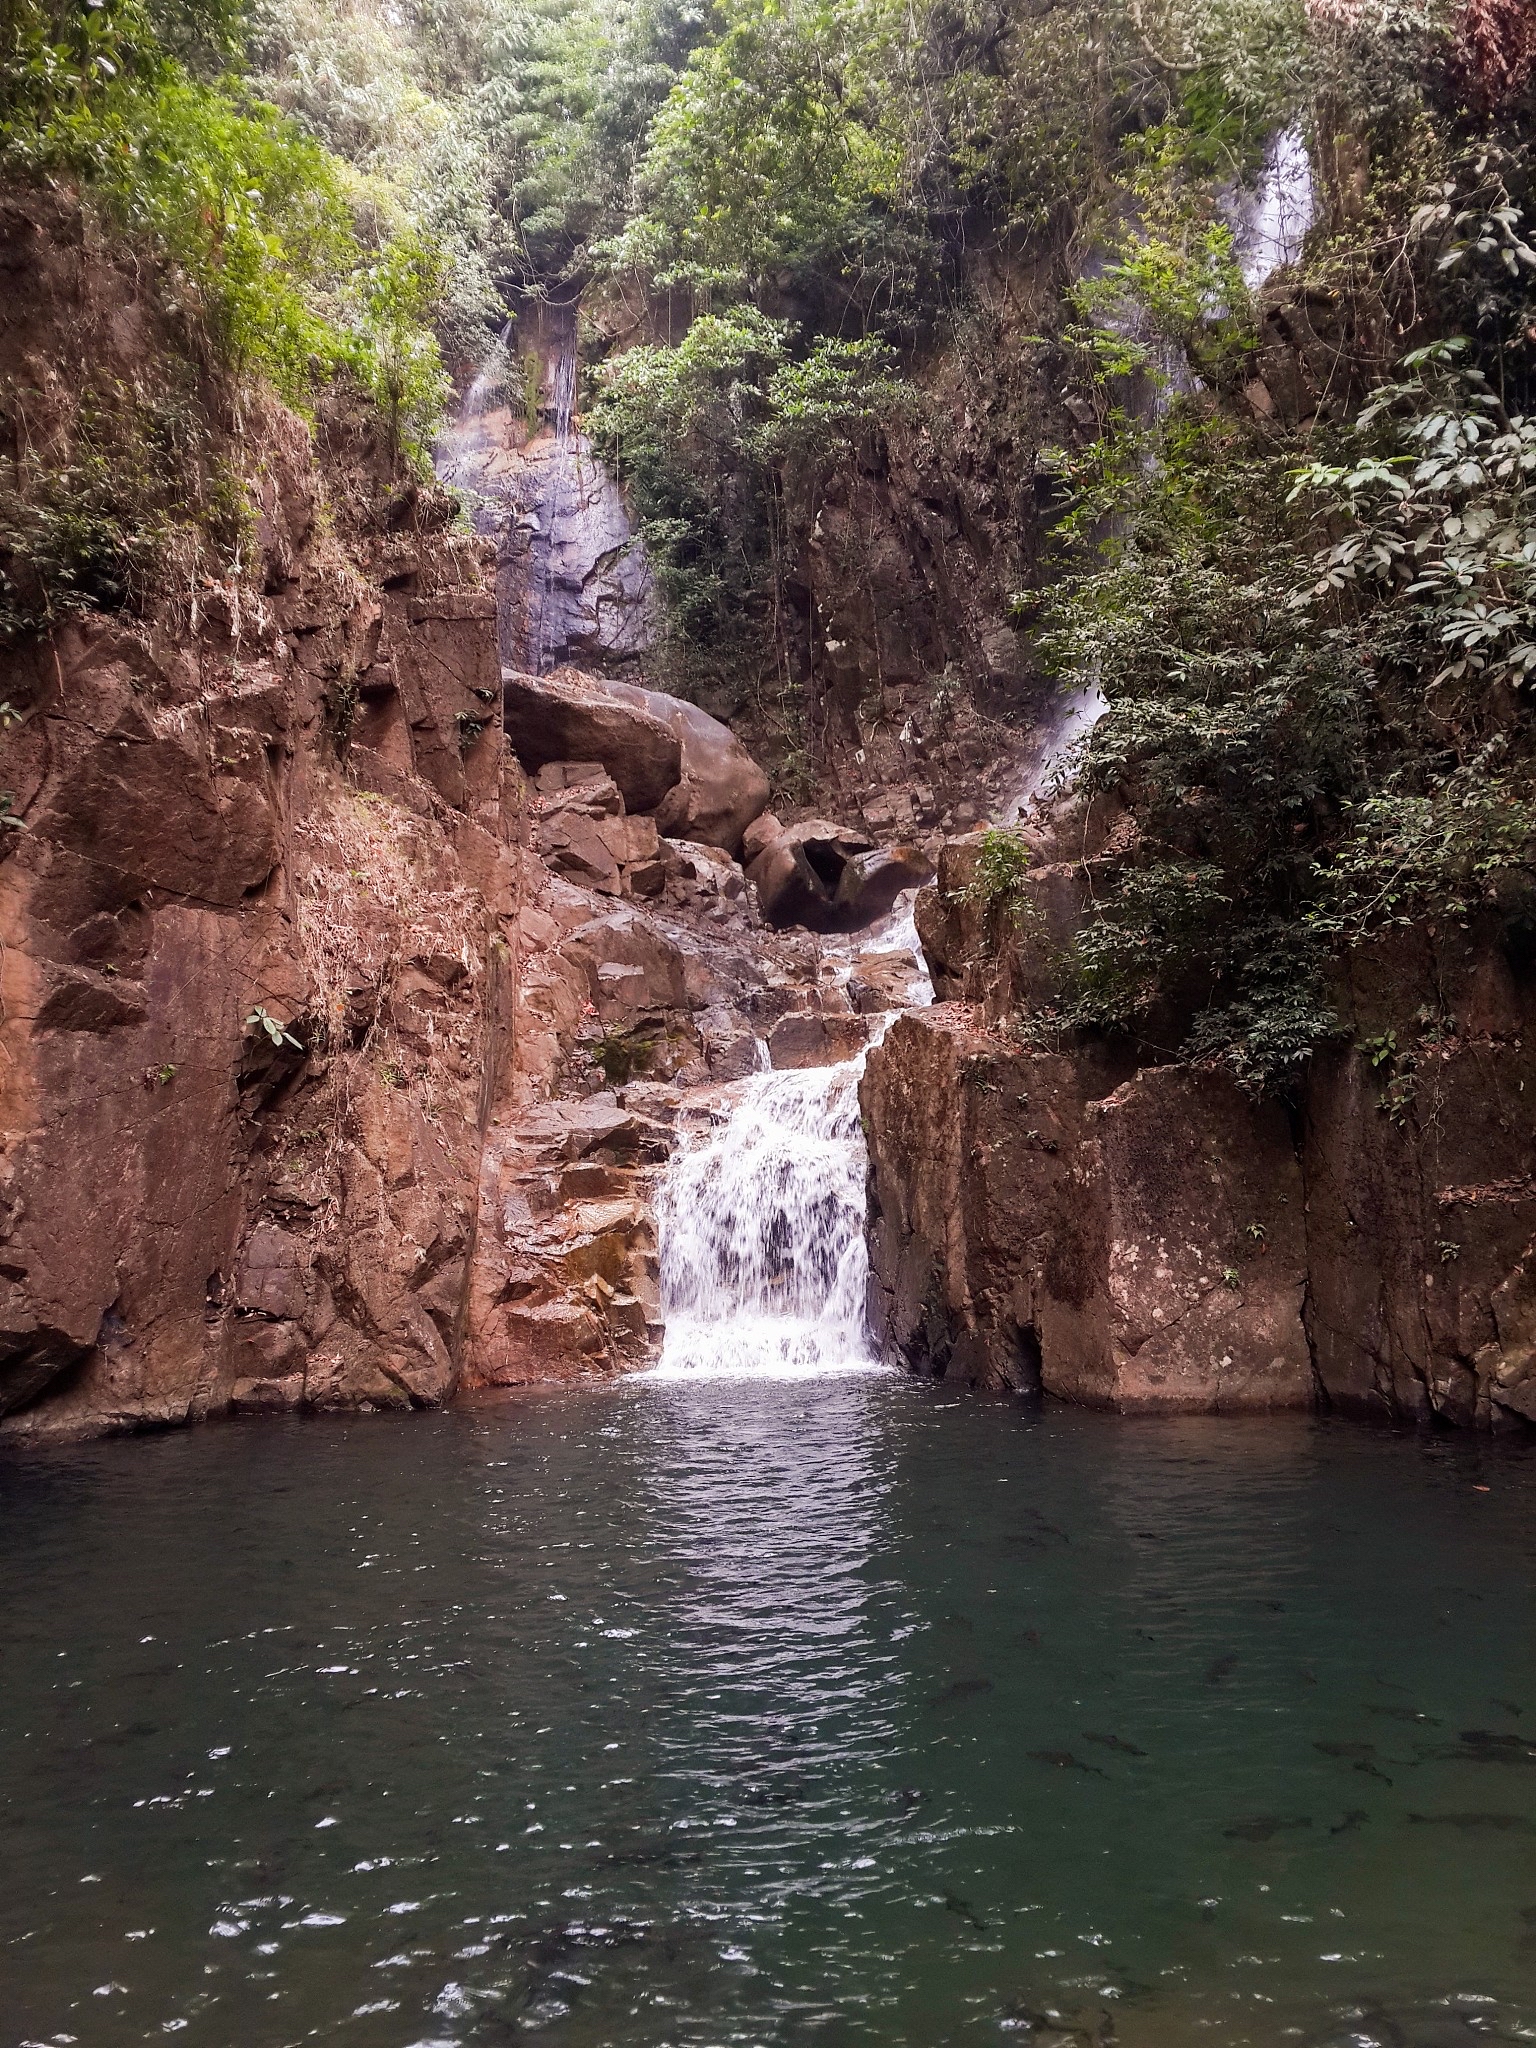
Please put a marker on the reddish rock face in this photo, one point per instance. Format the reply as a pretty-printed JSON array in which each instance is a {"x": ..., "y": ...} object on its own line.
[
  {"x": 201, "y": 1211},
  {"x": 1140, "y": 1251},
  {"x": 314, "y": 1014},
  {"x": 1147, "y": 1237}
]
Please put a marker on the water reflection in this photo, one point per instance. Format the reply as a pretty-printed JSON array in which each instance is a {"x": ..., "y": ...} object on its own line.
[
  {"x": 685, "y": 1714},
  {"x": 779, "y": 1692}
]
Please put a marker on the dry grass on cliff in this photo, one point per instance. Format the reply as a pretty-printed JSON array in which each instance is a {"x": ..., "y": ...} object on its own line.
[{"x": 371, "y": 898}]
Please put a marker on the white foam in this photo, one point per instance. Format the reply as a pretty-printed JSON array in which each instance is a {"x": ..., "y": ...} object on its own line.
[{"x": 764, "y": 1267}]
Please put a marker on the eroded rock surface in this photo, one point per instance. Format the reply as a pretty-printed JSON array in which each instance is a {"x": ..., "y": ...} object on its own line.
[
  {"x": 1063, "y": 1211},
  {"x": 1136, "y": 1249}
]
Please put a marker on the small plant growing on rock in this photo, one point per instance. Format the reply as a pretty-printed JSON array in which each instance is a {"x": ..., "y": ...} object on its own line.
[
  {"x": 262, "y": 1020},
  {"x": 1002, "y": 866},
  {"x": 340, "y": 701},
  {"x": 622, "y": 1055},
  {"x": 1381, "y": 1049}
]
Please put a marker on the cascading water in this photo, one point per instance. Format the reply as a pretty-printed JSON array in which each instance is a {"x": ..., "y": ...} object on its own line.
[
  {"x": 763, "y": 1261},
  {"x": 559, "y": 478},
  {"x": 573, "y": 581},
  {"x": 465, "y": 451},
  {"x": 1271, "y": 219},
  {"x": 764, "y": 1266},
  {"x": 1077, "y": 713}
]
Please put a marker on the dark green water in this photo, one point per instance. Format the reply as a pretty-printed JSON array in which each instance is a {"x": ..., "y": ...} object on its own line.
[{"x": 830, "y": 1711}]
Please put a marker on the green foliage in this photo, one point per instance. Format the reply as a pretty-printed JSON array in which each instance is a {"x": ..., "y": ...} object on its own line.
[
  {"x": 1172, "y": 278},
  {"x": 261, "y": 1023},
  {"x": 621, "y": 1055},
  {"x": 254, "y": 216},
  {"x": 90, "y": 533},
  {"x": 773, "y": 150},
  {"x": 1439, "y": 519},
  {"x": 722, "y": 437},
  {"x": 127, "y": 492},
  {"x": 997, "y": 884},
  {"x": 390, "y": 344}
]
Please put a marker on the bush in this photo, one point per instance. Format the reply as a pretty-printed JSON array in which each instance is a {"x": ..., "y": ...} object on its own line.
[{"x": 253, "y": 216}]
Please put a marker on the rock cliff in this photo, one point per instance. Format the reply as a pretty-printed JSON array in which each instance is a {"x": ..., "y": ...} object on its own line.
[
  {"x": 1068, "y": 1212},
  {"x": 345, "y": 1021}
]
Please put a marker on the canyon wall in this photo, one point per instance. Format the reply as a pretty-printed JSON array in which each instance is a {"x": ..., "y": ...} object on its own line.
[
  {"x": 340, "y": 1043},
  {"x": 1069, "y": 1212}
]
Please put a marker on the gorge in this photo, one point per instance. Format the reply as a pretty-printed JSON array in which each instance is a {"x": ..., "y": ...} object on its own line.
[{"x": 768, "y": 903}]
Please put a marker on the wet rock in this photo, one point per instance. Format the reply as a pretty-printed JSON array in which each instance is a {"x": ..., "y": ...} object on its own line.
[
  {"x": 592, "y": 597},
  {"x": 1137, "y": 1248},
  {"x": 796, "y": 876},
  {"x": 731, "y": 1048},
  {"x": 813, "y": 1039},
  {"x": 886, "y": 980},
  {"x": 631, "y": 967},
  {"x": 593, "y": 1126}
]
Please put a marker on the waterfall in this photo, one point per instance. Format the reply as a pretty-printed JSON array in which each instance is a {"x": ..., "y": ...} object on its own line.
[
  {"x": 1077, "y": 713},
  {"x": 1270, "y": 220},
  {"x": 466, "y": 448},
  {"x": 764, "y": 1265},
  {"x": 573, "y": 581},
  {"x": 763, "y": 1260},
  {"x": 541, "y": 651}
]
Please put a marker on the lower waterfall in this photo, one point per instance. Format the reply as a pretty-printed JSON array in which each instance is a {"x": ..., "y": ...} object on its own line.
[{"x": 761, "y": 1226}]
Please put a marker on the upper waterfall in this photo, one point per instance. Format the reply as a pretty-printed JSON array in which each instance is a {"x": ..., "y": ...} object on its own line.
[{"x": 574, "y": 584}]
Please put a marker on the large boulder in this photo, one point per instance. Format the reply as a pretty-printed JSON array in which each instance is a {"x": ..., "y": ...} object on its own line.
[
  {"x": 809, "y": 1038},
  {"x": 571, "y": 717},
  {"x": 721, "y": 789},
  {"x": 796, "y": 875},
  {"x": 665, "y": 755},
  {"x": 871, "y": 882}
]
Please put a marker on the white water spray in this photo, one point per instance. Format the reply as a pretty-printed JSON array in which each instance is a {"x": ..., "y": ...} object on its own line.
[
  {"x": 1271, "y": 219},
  {"x": 763, "y": 1260},
  {"x": 764, "y": 1265}
]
